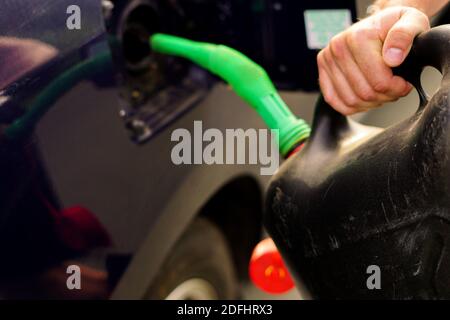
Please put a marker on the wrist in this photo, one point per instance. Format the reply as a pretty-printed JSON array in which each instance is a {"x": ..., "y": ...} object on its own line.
[{"x": 417, "y": 4}]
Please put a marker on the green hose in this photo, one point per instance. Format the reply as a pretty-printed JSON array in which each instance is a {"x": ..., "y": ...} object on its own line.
[
  {"x": 249, "y": 80},
  {"x": 43, "y": 102}
]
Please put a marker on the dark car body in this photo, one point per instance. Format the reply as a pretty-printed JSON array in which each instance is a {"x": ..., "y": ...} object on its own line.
[
  {"x": 83, "y": 151},
  {"x": 105, "y": 143}
]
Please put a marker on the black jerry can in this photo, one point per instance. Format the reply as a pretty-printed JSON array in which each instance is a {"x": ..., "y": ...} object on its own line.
[{"x": 360, "y": 200}]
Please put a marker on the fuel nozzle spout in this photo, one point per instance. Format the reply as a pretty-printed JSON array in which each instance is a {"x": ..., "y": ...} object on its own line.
[{"x": 248, "y": 79}]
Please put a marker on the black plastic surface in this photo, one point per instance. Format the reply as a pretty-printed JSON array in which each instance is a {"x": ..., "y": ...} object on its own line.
[{"x": 357, "y": 196}]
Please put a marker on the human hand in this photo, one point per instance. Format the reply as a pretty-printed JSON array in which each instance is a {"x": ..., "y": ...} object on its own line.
[{"x": 355, "y": 68}]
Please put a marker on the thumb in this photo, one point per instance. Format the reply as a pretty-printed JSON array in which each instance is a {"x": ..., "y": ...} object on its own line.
[{"x": 400, "y": 37}]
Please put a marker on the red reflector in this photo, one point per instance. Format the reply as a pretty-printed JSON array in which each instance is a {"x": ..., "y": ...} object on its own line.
[
  {"x": 267, "y": 269},
  {"x": 80, "y": 229}
]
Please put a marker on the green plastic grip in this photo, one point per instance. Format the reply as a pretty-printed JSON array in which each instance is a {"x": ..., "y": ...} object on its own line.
[{"x": 249, "y": 80}]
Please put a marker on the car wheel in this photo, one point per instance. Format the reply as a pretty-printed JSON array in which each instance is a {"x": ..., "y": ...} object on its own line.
[{"x": 199, "y": 267}]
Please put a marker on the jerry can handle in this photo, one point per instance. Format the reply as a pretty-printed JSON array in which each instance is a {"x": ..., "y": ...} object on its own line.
[{"x": 431, "y": 48}]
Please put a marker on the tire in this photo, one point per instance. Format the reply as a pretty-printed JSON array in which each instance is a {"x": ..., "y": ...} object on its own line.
[{"x": 200, "y": 267}]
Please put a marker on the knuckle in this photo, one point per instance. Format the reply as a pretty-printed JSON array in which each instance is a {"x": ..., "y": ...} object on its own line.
[
  {"x": 337, "y": 105},
  {"x": 425, "y": 21},
  {"x": 353, "y": 39},
  {"x": 330, "y": 99},
  {"x": 337, "y": 46},
  {"x": 349, "y": 40},
  {"x": 402, "y": 89},
  {"x": 346, "y": 111},
  {"x": 406, "y": 91},
  {"x": 402, "y": 37},
  {"x": 319, "y": 59},
  {"x": 421, "y": 18},
  {"x": 359, "y": 36},
  {"x": 381, "y": 85},
  {"x": 326, "y": 56},
  {"x": 367, "y": 94},
  {"x": 351, "y": 101}
]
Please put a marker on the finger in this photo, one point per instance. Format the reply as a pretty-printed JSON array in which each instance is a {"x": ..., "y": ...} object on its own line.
[
  {"x": 342, "y": 86},
  {"x": 329, "y": 93},
  {"x": 371, "y": 63},
  {"x": 351, "y": 71},
  {"x": 401, "y": 35}
]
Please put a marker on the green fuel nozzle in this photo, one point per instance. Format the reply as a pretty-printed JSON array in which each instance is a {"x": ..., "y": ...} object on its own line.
[{"x": 249, "y": 80}]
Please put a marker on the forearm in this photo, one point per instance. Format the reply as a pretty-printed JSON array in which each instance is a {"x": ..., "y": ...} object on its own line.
[{"x": 429, "y": 7}]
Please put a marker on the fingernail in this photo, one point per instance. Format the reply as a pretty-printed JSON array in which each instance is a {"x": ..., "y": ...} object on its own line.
[{"x": 393, "y": 56}]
